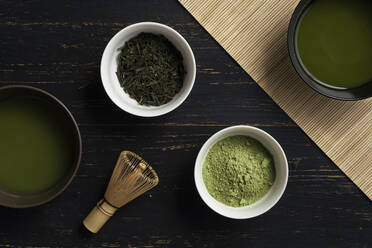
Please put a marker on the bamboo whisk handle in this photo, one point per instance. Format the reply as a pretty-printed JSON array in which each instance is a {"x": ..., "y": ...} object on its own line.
[{"x": 99, "y": 215}]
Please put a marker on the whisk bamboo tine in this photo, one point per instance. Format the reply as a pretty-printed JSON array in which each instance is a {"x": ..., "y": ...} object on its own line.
[{"x": 131, "y": 177}]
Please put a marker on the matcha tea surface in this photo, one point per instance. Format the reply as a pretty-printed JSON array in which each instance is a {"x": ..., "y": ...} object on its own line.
[
  {"x": 35, "y": 145},
  {"x": 334, "y": 42}
]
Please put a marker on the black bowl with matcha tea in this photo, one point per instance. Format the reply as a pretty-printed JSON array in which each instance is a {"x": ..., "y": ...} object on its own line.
[
  {"x": 40, "y": 146},
  {"x": 330, "y": 45}
]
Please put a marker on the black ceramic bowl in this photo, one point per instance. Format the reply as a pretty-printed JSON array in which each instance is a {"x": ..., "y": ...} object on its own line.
[
  {"x": 357, "y": 93},
  {"x": 23, "y": 200}
]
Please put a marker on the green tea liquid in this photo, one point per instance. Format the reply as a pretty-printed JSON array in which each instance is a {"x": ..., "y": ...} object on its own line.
[
  {"x": 334, "y": 42},
  {"x": 35, "y": 145}
]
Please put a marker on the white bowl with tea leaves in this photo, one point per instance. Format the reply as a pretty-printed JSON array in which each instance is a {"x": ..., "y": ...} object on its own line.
[{"x": 140, "y": 76}]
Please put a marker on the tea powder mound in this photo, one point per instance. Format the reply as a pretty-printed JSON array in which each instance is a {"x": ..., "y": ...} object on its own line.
[
  {"x": 238, "y": 171},
  {"x": 150, "y": 69}
]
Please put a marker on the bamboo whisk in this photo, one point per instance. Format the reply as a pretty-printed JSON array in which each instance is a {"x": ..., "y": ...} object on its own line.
[{"x": 131, "y": 178}]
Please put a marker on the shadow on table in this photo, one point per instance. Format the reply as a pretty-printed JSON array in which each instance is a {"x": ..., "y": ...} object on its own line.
[{"x": 197, "y": 214}]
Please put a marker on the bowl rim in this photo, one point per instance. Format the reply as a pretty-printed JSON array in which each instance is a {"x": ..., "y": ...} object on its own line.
[
  {"x": 350, "y": 94},
  {"x": 123, "y": 106},
  {"x": 199, "y": 184},
  {"x": 76, "y": 163}
]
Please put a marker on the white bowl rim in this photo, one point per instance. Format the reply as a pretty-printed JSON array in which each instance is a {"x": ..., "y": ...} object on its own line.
[
  {"x": 204, "y": 151},
  {"x": 160, "y": 112}
]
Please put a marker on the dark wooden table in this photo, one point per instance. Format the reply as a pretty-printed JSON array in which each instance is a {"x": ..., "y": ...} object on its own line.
[{"x": 57, "y": 46}]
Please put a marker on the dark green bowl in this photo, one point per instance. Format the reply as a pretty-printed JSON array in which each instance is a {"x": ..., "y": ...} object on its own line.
[
  {"x": 23, "y": 200},
  {"x": 357, "y": 93}
]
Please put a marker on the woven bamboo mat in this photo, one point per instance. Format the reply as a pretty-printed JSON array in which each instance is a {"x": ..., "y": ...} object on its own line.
[{"x": 254, "y": 33}]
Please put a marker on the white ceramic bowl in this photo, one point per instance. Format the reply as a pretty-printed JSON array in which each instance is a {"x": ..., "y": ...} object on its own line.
[
  {"x": 271, "y": 197},
  {"x": 109, "y": 68}
]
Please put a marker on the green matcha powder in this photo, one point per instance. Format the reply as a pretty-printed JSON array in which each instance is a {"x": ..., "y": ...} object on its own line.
[{"x": 238, "y": 171}]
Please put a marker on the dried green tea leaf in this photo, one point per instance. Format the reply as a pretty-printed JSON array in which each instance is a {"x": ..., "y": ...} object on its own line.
[{"x": 150, "y": 69}]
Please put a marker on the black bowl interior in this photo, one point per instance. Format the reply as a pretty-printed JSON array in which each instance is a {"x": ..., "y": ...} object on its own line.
[
  {"x": 19, "y": 200},
  {"x": 357, "y": 93}
]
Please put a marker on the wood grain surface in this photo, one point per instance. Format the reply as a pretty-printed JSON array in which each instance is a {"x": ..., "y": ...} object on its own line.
[{"x": 57, "y": 46}]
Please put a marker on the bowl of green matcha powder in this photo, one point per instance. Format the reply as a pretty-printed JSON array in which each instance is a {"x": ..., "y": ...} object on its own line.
[{"x": 241, "y": 172}]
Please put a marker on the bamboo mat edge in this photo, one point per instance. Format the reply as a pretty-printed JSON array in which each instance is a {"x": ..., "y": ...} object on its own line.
[{"x": 357, "y": 168}]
